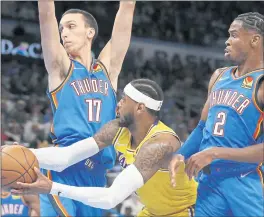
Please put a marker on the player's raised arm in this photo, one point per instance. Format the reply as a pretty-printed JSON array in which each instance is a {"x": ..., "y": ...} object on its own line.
[
  {"x": 112, "y": 56},
  {"x": 55, "y": 57},
  {"x": 59, "y": 158},
  {"x": 151, "y": 157}
]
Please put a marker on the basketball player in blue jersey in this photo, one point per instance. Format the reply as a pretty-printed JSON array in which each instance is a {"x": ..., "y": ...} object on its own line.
[
  {"x": 82, "y": 93},
  {"x": 226, "y": 148},
  {"x": 19, "y": 206}
]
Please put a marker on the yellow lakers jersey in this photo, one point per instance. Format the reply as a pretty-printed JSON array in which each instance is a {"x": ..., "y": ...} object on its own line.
[{"x": 158, "y": 196}]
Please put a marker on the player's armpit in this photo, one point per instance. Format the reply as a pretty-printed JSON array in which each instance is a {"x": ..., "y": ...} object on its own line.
[
  {"x": 205, "y": 111},
  {"x": 217, "y": 73},
  {"x": 104, "y": 137},
  {"x": 153, "y": 153},
  {"x": 104, "y": 56},
  {"x": 55, "y": 57}
]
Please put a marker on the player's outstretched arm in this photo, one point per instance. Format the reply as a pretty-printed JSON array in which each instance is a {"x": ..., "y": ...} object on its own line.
[
  {"x": 55, "y": 57},
  {"x": 192, "y": 144},
  {"x": 59, "y": 158},
  {"x": 32, "y": 202},
  {"x": 150, "y": 158},
  {"x": 250, "y": 154},
  {"x": 112, "y": 56}
]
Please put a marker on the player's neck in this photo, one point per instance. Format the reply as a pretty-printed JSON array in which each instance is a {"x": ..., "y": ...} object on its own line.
[
  {"x": 84, "y": 57},
  {"x": 139, "y": 131},
  {"x": 251, "y": 64}
]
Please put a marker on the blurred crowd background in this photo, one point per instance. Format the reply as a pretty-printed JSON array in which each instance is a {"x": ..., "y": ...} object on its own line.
[{"x": 177, "y": 44}]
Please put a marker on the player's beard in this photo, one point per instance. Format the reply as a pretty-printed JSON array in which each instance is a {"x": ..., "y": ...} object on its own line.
[{"x": 126, "y": 121}]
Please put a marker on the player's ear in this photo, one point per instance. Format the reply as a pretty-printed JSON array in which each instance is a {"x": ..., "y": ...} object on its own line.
[
  {"x": 90, "y": 33},
  {"x": 141, "y": 107},
  {"x": 256, "y": 39}
]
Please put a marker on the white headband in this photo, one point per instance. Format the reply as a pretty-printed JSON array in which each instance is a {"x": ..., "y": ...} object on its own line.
[{"x": 137, "y": 96}]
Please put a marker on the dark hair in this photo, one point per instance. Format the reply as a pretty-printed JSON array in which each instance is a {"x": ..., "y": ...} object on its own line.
[
  {"x": 253, "y": 21},
  {"x": 89, "y": 19},
  {"x": 151, "y": 89}
]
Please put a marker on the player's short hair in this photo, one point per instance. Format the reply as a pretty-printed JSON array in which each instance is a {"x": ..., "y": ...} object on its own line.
[
  {"x": 151, "y": 89},
  {"x": 89, "y": 19},
  {"x": 252, "y": 21}
]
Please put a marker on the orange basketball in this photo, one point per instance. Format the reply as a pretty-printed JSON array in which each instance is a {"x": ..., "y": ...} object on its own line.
[{"x": 18, "y": 164}]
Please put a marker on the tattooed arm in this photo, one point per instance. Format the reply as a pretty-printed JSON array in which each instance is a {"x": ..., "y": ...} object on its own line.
[
  {"x": 155, "y": 154},
  {"x": 150, "y": 158},
  {"x": 106, "y": 134},
  {"x": 59, "y": 158}
]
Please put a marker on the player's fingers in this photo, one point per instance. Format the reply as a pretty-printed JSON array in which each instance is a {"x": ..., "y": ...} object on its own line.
[
  {"x": 173, "y": 170},
  {"x": 173, "y": 182},
  {"x": 3, "y": 146},
  {"x": 172, "y": 174},
  {"x": 192, "y": 170},
  {"x": 37, "y": 171},
  {"x": 17, "y": 192},
  {"x": 198, "y": 169},
  {"x": 24, "y": 186},
  {"x": 15, "y": 143},
  {"x": 188, "y": 167}
]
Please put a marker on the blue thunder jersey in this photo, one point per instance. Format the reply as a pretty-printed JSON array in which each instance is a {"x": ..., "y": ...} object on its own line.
[
  {"x": 234, "y": 119},
  {"x": 13, "y": 206},
  {"x": 81, "y": 105}
]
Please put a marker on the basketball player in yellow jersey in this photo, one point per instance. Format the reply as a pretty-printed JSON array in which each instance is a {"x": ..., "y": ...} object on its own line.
[{"x": 144, "y": 146}]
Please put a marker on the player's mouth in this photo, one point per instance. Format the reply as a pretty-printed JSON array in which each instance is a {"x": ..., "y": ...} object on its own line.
[
  {"x": 67, "y": 43},
  {"x": 227, "y": 51}
]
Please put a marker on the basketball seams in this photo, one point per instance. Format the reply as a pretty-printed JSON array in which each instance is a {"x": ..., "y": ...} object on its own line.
[
  {"x": 15, "y": 160},
  {"x": 21, "y": 175},
  {"x": 23, "y": 165},
  {"x": 28, "y": 163},
  {"x": 30, "y": 168}
]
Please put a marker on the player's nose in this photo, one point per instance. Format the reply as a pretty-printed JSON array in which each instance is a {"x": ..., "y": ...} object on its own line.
[
  {"x": 227, "y": 43},
  {"x": 64, "y": 33}
]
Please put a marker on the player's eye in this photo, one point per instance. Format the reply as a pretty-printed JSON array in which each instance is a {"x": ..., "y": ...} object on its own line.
[{"x": 71, "y": 26}]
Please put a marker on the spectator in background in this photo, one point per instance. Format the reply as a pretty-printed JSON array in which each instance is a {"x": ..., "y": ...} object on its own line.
[
  {"x": 18, "y": 112},
  {"x": 199, "y": 23},
  {"x": 14, "y": 131}
]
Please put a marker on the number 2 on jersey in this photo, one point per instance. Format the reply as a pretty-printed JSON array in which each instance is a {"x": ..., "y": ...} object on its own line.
[
  {"x": 219, "y": 125},
  {"x": 94, "y": 109}
]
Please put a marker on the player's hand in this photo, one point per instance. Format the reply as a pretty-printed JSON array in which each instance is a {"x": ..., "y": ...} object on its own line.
[
  {"x": 41, "y": 186},
  {"x": 174, "y": 165},
  {"x": 198, "y": 161}
]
